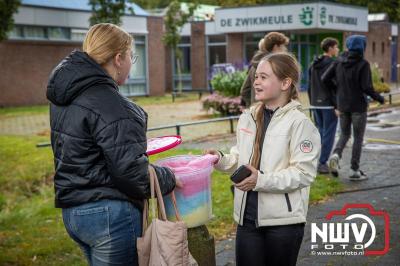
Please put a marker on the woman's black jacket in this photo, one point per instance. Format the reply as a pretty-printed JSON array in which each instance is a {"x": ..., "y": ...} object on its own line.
[{"x": 98, "y": 137}]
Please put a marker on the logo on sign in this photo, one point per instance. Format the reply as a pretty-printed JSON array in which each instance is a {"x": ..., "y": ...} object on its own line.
[
  {"x": 322, "y": 16},
  {"x": 306, "y": 16}
]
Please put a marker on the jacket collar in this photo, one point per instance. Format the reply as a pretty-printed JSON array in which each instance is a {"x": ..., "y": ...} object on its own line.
[{"x": 293, "y": 104}]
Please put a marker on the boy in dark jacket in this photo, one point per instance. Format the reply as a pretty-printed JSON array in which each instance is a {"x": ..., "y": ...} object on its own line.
[
  {"x": 322, "y": 95},
  {"x": 353, "y": 77}
]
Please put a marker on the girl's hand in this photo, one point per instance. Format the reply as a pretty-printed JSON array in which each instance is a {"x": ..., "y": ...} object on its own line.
[
  {"x": 178, "y": 183},
  {"x": 213, "y": 152},
  {"x": 250, "y": 182}
]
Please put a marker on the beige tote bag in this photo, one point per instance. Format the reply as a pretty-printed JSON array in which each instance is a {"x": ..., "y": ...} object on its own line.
[{"x": 163, "y": 242}]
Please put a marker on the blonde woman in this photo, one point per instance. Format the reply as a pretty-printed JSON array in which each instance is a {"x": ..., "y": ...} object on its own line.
[
  {"x": 280, "y": 146},
  {"x": 99, "y": 143}
]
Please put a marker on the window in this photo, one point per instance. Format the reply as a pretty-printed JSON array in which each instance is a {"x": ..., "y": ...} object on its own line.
[
  {"x": 137, "y": 80},
  {"x": 251, "y": 49},
  {"x": 138, "y": 70},
  {"x": 373, "y": 48},
  {"x": 34, "y": 32},
  {"x": 383, "y": 47},
  {"x": 254, "y": 37},
  {"x": 185, "y": 64},
  {"x": 59, "y": 33},
  {"x": 216, "y": 49},
  {"x": 40, "y": 33},
  {"x": 16, "y": 33},
  {"x": 217, "y": 54},
  {"x": 78, "y": 35},
  {"x": 251, "y": 44}
]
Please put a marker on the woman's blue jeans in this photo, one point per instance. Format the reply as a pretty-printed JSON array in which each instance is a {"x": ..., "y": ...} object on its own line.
[{"x": 105, "y": 230}]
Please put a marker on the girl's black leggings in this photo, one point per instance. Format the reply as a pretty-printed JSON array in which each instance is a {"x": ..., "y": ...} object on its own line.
[{"x": 268, "y": 245}]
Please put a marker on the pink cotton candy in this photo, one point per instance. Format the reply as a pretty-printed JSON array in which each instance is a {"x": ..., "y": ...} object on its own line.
[
  {"x": 188, "y": 166},
  {"x": 193, "y": 171},
  {"x": 194, "y": 198}
]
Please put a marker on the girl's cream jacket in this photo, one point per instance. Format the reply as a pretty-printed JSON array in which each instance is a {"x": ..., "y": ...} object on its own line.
[{"x": 288, "y": 165}]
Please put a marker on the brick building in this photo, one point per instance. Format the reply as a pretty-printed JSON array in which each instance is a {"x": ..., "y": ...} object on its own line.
[{"x": 45, "y": 33}]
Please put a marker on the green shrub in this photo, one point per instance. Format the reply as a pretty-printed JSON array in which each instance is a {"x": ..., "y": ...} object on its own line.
[
  {"x": 379, "y": 86},
  {"x": 228, "y": 84}
]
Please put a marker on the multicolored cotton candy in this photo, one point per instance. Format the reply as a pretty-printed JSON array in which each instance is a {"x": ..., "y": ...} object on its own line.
[{"x": 194, "y": 199}]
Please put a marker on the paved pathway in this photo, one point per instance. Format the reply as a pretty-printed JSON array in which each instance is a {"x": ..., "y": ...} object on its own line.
[{"x": 382, "y": 190}]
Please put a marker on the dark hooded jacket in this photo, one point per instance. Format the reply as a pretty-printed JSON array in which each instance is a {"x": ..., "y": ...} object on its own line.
[
  {"x": 98, "y": 137},
  {"x": 247, "y": 91},
  {"x": 352, "y": 74},
  {"x": 319, "y": 93}
]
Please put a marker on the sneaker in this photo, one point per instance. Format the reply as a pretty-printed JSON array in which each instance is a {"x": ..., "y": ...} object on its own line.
[
  {"x": 357, "y": 175},
  {"x": 323, "y": 169},
  {"x": 334, "y": 164}
]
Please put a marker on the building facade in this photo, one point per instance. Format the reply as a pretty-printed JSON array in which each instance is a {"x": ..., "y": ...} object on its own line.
[{"x": 43, "y": 35}]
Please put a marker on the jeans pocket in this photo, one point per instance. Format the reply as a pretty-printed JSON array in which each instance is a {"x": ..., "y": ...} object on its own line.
[{"x": 92, "y": 225}]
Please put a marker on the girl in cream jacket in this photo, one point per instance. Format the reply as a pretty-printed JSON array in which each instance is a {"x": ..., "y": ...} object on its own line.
[{"x": 281, "y": 146}]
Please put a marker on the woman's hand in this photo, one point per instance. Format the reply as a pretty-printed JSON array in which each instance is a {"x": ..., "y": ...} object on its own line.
[
  {"x": 250, "y": 182},
  {"x": 213, "y": 152}
]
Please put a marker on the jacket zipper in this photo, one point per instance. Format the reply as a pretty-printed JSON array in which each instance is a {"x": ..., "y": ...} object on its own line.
[
  {"x": 289, "y": 206},
  {"x": 252, "y": 149},
  {"x": 244, "y": 194}
]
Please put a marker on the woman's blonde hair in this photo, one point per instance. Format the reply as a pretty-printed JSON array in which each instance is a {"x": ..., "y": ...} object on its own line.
[
  {"x": 284, "y": 65},
  {"x": 104, "y": 40}
]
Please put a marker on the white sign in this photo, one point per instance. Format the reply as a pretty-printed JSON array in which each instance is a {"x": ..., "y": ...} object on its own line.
[{"x": 292, "y": 17}]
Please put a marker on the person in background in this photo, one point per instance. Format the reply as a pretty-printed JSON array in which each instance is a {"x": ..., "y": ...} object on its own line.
[
  {"x": 321, "y": 95},
  {"x": 354, "y": 82},
  {"x": 271, "y": 43},
  {"x": 99, "y": 144},
  {"x": 280, "y": 146}
]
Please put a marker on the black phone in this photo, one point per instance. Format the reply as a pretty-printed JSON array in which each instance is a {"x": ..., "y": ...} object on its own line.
[{"x": 240, "y": 174}]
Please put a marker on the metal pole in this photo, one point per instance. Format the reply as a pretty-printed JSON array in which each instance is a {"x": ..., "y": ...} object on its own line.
[{"x": 231, "y": 122}]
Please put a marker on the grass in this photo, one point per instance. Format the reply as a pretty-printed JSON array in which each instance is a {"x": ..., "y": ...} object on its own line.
[
  {"x": 24, "y": 110},
  {"x": 166, "y": 99},
  {"x": 142, "y": 101},
  {"x": 32, "y": 232}
]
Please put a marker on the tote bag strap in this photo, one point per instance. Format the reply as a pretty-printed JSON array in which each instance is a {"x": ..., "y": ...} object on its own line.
[
  {"x": 177, "y": 214},
  {"x": 161, "y": 201},
  {"x": 155, "y": 186},
  {"x": 145, "y": 223},
  {"x": 146, "y": 203},
  {"x": 155, "y": 189}
]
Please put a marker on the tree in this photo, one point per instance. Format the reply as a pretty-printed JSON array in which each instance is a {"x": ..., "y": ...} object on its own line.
[
  {"x": 174, "y": 21},
  {"x": 108, "y": 11},
  {"x": 391, "y": 7},
  {"x": 152, "y": 4},
  {"x": 7, "y": 10}
]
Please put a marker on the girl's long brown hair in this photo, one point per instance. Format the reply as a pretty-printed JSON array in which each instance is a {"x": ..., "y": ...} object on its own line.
[{"x": 284, "y": 65}]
